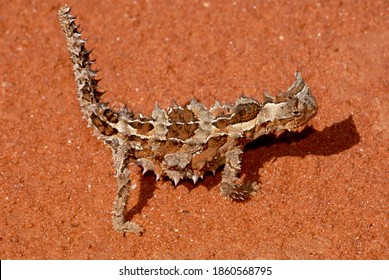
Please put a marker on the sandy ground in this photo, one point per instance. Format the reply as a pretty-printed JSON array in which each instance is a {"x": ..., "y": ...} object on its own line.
[{"x": 324, "y": 190}]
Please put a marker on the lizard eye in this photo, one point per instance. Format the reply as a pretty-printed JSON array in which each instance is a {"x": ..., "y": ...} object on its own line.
[{"x": 296, "y": 113}]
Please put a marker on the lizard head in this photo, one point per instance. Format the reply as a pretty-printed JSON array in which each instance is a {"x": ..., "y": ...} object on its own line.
[
  {"x": 297, "y": 106},
  {"x": 287, "y": 111}
]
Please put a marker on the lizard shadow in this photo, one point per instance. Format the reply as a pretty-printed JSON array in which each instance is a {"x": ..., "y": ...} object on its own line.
[{"x": 332, "y": 140}]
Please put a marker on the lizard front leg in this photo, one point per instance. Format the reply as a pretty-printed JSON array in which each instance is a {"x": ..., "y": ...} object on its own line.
[
  {"x": 123, "y": 183},
  {"x": 229, "y": 186}
]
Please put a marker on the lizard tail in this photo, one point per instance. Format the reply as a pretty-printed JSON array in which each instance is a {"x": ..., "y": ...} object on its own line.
[
  {"x": 87, "y": 84},
  {"x": 98, "y": 114}
]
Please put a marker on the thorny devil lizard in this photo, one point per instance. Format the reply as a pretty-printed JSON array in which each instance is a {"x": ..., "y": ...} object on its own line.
[{"x": 182, "y": 142}]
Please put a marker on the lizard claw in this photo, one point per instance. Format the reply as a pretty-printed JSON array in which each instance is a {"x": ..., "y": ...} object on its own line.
[{"x": 239, "y": 192}]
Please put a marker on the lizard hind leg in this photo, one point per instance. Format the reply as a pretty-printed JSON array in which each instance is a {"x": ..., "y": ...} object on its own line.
[
  {"x": 122, "y": 195},
  {"x": 229, "y": 187}
]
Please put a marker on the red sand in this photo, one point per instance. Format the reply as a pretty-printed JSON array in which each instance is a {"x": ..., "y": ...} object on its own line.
[{"x": 324, "y": 192}]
